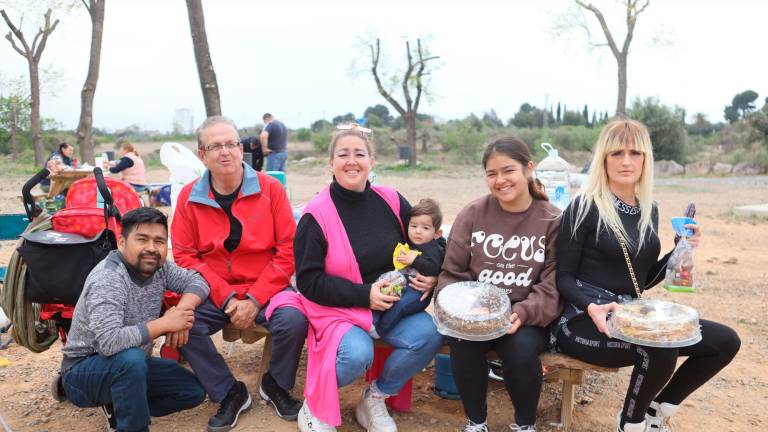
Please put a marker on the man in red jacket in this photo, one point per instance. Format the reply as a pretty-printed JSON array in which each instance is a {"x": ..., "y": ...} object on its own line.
[{"x": 235, "y": 226}]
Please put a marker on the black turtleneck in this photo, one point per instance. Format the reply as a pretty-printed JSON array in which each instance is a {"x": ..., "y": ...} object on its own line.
[
  {"x": 373, "y": 233},
  {"x": 235, "y": 227},
  {"x": 596, "y": 257}
]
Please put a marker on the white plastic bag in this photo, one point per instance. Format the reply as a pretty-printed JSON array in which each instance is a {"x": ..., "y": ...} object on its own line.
[{"x": 184, "y": 166}]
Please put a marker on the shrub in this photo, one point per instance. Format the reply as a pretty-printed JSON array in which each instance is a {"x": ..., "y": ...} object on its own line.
[
  {"x": 466, "y": 143},
  {"x": 303, "y": 135},
  {"x": 321, "y": 140},
  {"x": 665, "y": 126}
]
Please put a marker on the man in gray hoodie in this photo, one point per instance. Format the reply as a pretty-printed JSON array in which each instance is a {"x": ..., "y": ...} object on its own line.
[{"x": 108, "y": 355}]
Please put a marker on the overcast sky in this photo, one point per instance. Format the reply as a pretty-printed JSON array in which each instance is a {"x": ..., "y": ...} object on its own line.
[{"x": 295, "y": 59}]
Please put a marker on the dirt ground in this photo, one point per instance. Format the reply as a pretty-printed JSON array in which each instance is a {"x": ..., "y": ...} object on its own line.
[{"x": 732, "y": 272}]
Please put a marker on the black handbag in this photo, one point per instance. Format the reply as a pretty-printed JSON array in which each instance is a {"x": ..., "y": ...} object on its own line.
[{"x": 59, "y": 263}]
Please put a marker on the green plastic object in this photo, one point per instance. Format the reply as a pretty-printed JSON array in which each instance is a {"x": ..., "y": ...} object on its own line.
[
  {"x": 679, "y": 288},
  {"x": 12, "y": 225},
  {"x": 279, "y": 175}
]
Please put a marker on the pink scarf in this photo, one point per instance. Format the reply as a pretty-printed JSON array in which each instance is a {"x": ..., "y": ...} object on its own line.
[{"x": 328, "y": 325}]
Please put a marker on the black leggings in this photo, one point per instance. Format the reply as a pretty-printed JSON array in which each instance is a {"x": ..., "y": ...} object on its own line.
[
  {"x": 519, "y": 354},
  {"x": 653, "y": 376}
]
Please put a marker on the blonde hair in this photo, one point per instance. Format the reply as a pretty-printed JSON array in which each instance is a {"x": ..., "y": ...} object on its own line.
[
  {"x": 341, "y": 133},
  {"x": 615, "y": 136},
  {"x": 128, "y": 147}
]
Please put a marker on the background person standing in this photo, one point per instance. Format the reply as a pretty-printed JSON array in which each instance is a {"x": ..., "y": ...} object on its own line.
[{"x": 274, "y": 143}]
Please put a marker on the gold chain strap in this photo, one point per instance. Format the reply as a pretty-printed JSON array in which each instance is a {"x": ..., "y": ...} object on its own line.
[{"x": 623, "y": 245}]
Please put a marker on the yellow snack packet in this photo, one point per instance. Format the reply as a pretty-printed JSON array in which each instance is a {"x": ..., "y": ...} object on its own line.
[{"x": 404, "y": 248}]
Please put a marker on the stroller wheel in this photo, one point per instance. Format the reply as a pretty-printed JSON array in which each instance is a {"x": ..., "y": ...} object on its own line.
[{"x": 57, "y": 389}]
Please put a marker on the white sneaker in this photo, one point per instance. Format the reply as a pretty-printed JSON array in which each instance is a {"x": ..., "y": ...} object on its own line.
[
  {"x": 475, "y": 427},
  {"x": 514, "y": 427},
  {"x": 372, "y": 414},
  {"x": 309, "y": 423},
  {"x": 630, "y": 427},
  {"x": 660, "y": 422}
]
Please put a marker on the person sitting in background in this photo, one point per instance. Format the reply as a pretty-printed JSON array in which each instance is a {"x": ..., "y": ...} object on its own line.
[
  {"x": 252, "y": 145},
  {"x": 59, "y": 160},
  {"x": 131, "y": 166}
]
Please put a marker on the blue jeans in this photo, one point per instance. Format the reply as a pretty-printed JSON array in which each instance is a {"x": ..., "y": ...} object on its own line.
[
  {"x": 410, "y": 303},
  {"x": 276, "y": 161},
  {"x": 415, "y": 340},
  {"x": 136, "y": 386}
]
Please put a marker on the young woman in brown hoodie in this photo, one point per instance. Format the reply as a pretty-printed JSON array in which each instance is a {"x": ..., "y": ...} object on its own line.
[{"x": 507, "y": 239}]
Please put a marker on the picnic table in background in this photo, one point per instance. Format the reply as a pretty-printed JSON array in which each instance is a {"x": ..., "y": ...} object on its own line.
[{"x": 64, "y": 179}]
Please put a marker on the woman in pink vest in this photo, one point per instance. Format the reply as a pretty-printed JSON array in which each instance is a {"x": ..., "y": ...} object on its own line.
[
  {"x": 131, "y": 166},
  {"x": 344, "y": 242}
]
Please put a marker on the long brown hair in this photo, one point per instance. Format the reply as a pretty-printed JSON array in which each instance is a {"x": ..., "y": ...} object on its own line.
[{"x": 517, "y": 149}]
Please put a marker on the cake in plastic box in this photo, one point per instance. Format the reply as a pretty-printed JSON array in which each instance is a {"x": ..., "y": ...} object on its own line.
[
  {"x": 655, "y": 323},
  {"x": 396, "y": 283},
  {"x": 473, "y": 311}
]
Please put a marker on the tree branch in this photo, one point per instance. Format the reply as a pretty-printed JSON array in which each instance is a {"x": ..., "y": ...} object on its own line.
[
  {"x": 9, "y": 36},
  {"x": 632, "y": 13},
  {"x": 603, "y": 24},
  {"x": 87, "y": 6},
  {"x": 374, "y": 70},
  {"x": 407, "y": 78},
  {"x": 19, "y": 35},
  {"x": 47, "y": 30},
  {"x": 420, "y": 74}
]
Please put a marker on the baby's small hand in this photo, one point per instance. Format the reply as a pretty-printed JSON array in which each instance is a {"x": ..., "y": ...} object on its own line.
[{"x": 407, "y": 257}]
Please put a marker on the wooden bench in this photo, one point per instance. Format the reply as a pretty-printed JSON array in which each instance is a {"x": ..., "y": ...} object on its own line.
[
  {"x": 560, "y": 367},
  {"x": 249, "y": 336}
]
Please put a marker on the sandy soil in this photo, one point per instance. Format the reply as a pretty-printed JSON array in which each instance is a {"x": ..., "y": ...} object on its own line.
[{"x": 732, "y": 272}]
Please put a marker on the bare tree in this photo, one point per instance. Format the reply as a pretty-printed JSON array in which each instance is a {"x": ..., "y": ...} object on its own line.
[
  {"x": 413, "y": 78},
  {"x": 203, "y": 58},
  {"x": 32, "y": 54},
  {"x": 95, "y": 9},
  {"x": 633, "y": 9}
]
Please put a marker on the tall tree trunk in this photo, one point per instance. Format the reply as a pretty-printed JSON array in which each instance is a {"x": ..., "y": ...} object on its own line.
[
  {"x": 410, "y": 127},
  {"x": 87, "y": 94},
  {"x": 35, "y": 123},
  {"x": 203, "y": 58},
  {"x": 14, "y": 132},
  {"x": 621, "y": 103}
]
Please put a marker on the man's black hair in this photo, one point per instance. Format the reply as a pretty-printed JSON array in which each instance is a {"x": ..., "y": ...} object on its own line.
[{"x": 142, "y": 215}]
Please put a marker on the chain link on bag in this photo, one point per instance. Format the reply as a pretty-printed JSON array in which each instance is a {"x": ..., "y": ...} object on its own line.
[{"x": 623, "y": 245}]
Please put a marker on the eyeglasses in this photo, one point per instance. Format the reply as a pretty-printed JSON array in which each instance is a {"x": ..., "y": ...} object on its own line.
[
  {"x": 218, "y": 147},
  {"x": 352, "y": 126}
]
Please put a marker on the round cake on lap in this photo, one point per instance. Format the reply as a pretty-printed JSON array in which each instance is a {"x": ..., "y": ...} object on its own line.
[
  {"x": 655, "y": 323},
  {"x": 473, "y": 311}
]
